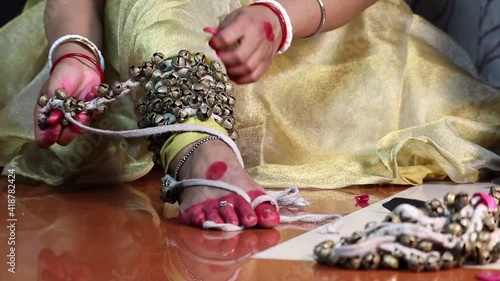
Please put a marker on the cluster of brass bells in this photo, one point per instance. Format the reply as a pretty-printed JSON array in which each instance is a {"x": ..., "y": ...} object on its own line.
[
  {"x": 61, "y": 101},
  {"x": 68, "y": 104},
  {"x": 476, "y": 250},
  {"x": 181, "y": 87}
]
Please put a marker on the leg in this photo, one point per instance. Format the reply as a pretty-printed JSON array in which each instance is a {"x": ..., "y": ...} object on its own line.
[{"x": 188, "y": 90}]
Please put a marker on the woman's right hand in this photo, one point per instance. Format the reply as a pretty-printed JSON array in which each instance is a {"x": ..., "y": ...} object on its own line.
[{"x": 80, "y": 79}]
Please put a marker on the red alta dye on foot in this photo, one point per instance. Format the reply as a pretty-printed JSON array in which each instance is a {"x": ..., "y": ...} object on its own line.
[{"x": 216, "y": 171}]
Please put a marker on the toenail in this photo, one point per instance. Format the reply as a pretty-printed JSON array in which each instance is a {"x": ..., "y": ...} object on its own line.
[
  {"x": 266, "y": 214},
  {"x": 250, "y": 217}
]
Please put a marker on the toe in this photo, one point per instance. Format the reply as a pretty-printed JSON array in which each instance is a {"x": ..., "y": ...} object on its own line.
[
  {"x": 228, "y": 215},
  {"x": 213, "y": 215},
  {"x": 246, "y": 214},
  {"x": 267, "y": 215},
  {"x": 193, "y": 216}
]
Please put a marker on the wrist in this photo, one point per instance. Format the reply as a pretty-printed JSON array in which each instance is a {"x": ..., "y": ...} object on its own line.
[
  {"x": 284, "y": 19},
  {"x": 72, "y": 47},
  {"x": 274, "y": 20}
]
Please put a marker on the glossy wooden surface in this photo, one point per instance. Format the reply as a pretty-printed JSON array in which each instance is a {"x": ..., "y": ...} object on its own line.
[{"x": 124, "y": 232}]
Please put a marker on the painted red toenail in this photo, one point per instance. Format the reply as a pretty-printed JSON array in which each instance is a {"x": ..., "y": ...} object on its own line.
[
  {"x": 216, "y": 171},
  {"x": 266, "y": 214}
]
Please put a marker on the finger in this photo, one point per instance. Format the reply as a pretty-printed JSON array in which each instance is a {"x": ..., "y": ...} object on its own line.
[
  {"x": 72, "y": 131},
  {"x": 211, "y": 30},
  {"x": 43, "y": 138},
  {"x": 91, "y": 95},
  {"x": 46, "y": 138},
  {"x": 69, "y": 133},
  {"x": 83, "y": 118},
  {"x": 55, "y": 117},
  {"x": 252, "y": 77},
  {"x": 250, "y": 45},
  {"x": 248, "y": 66},
  {"x": 230, "y": 35}
]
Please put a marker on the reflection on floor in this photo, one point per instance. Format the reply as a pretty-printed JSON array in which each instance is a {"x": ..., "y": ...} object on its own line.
[{"x": 121, "y": 233}]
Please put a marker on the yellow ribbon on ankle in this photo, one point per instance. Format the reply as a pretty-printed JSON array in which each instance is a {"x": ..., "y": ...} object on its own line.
[{"x": 179, "y": 141}]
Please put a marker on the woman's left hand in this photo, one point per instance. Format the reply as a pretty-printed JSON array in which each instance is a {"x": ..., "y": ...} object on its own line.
[{"x": 247, "y": 41}]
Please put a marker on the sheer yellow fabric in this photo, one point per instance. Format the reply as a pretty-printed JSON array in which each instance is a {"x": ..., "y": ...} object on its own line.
[{"x": 385, "y": 99}]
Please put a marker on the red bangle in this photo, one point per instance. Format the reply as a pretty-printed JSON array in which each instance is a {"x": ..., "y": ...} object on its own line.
[
  {"x": 72, "y": 55},
  {"x": 280, "y": 16}
]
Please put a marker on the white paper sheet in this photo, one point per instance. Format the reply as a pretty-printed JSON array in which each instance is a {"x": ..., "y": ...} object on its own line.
[{"x": 301, "y": 247}]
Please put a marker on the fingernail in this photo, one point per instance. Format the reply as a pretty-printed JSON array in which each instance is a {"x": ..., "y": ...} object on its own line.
[
  {"x": 54, "y": 118},
  {"x": 211, "y": 30},
  {"x": 211, "y": 44}
]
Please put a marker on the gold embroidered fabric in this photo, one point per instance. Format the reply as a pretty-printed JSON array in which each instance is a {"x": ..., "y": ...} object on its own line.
[{"x": 385, "y": 99}]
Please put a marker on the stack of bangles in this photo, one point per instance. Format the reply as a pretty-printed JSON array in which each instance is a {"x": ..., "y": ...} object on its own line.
[
  {"x": 72, "y": 38},
  {"x": 286, "y": 23}
]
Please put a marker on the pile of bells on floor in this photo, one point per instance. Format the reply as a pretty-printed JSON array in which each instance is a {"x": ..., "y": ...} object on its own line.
[{"x": 457, "y": 230}]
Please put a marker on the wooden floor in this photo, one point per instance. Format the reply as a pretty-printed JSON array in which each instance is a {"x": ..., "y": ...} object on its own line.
[{"x": 122, "y": 233}]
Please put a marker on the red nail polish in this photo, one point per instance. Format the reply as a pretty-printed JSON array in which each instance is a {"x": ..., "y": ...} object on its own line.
[
  {"x": 55, "y": 117},
  {"x": 362, "y": 198},
  {"x": 211, "y": 44},
  {"x": 211, "y": 30},
  {"x": 266, "y": 214}
]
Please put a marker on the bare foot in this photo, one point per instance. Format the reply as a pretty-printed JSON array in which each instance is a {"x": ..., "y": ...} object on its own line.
[{"x": 214, "y": 160}]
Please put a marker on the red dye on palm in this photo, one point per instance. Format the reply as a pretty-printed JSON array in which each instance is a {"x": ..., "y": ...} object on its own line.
[
  {"x": 216, "y": 171},
  {"x": 268, "y": 30}
]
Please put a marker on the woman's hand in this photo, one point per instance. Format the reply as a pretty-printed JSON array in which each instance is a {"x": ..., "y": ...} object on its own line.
[
  {"x": 247, "y": 41},
  {"x": 79, "y": 78}
]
